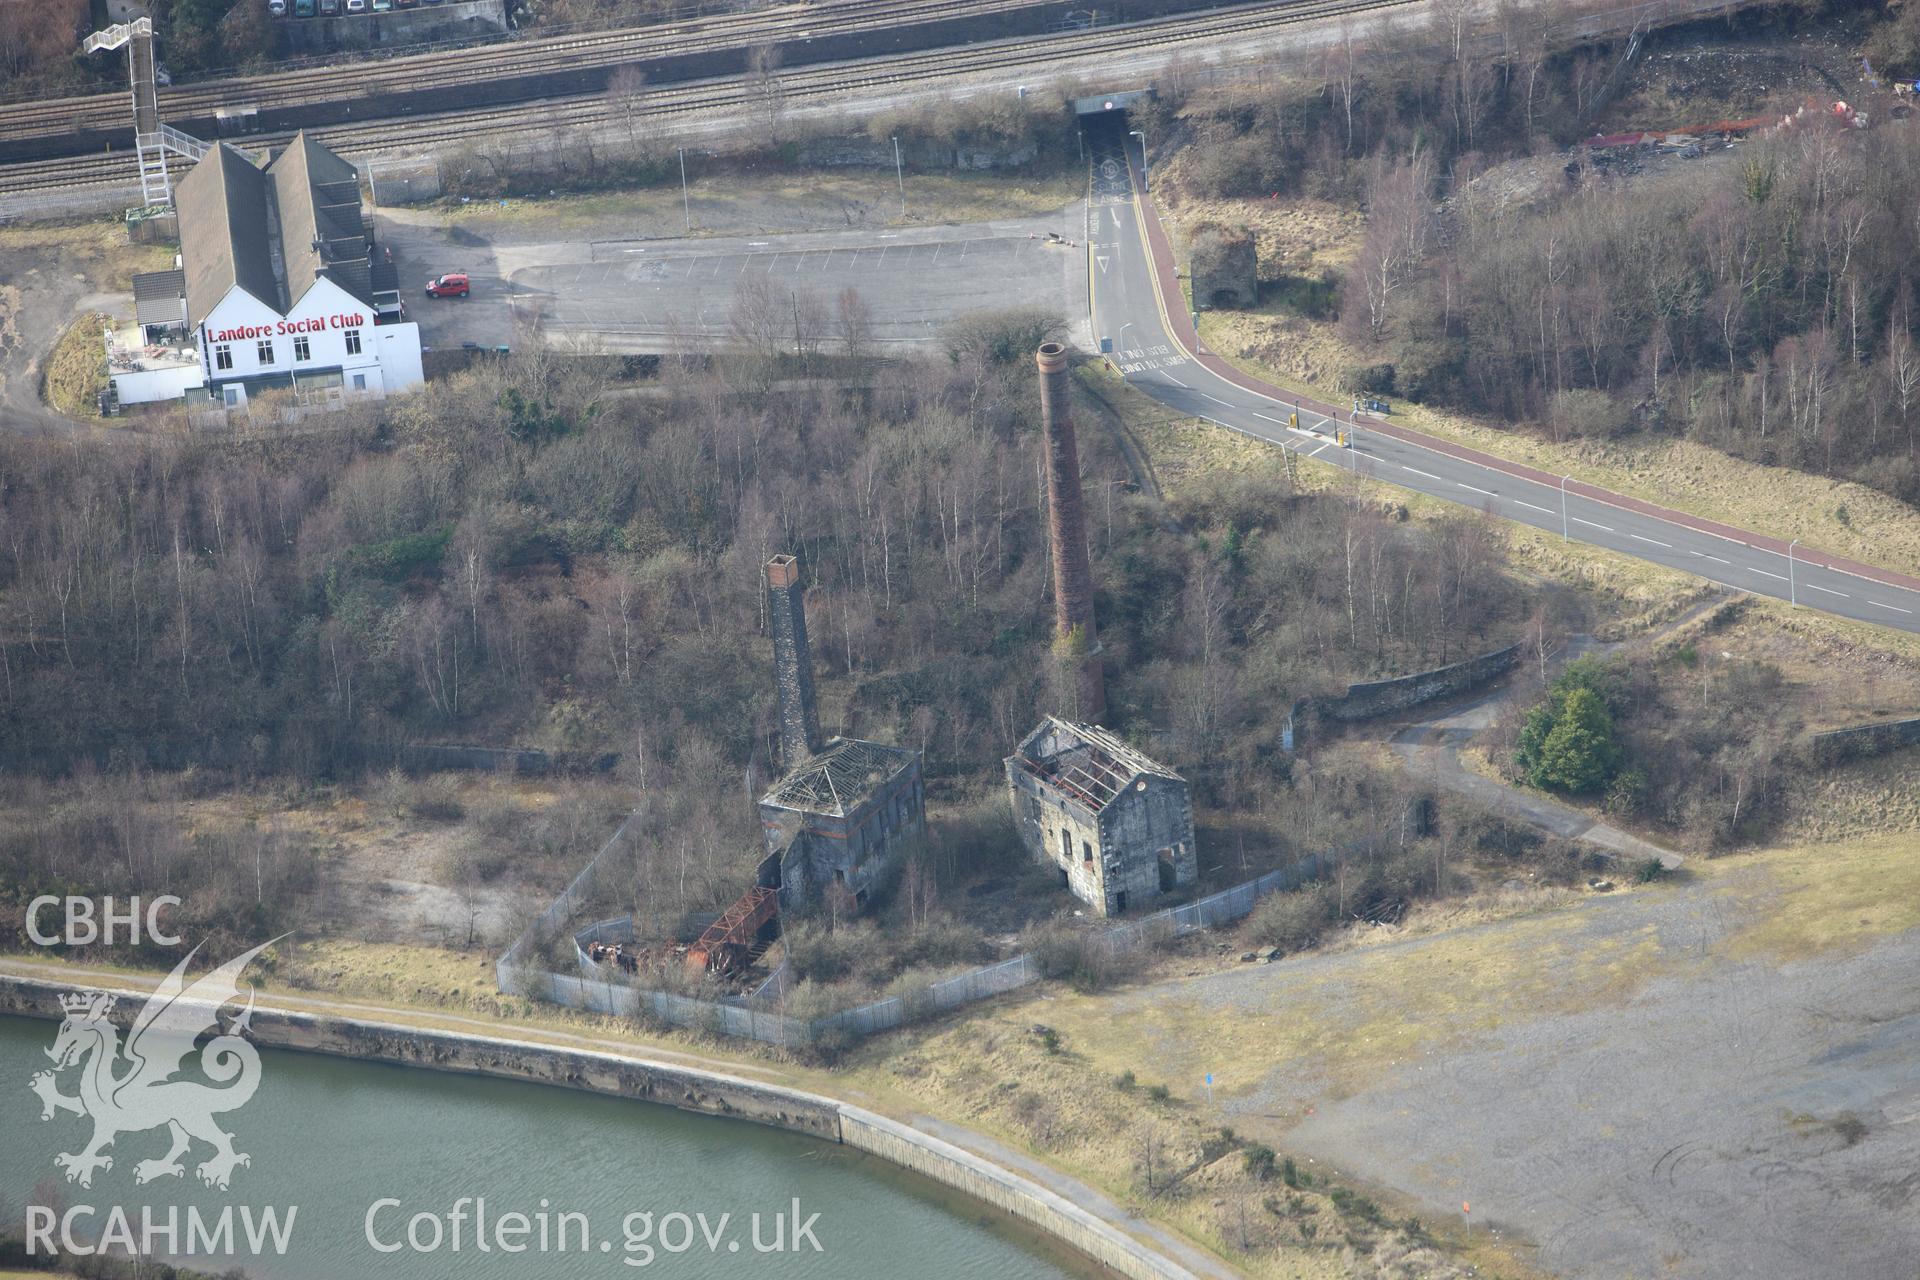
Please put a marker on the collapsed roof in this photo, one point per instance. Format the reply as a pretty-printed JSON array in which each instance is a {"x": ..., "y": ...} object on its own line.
[
  {"x": 1085, "y": 763},
  {"x": 840, "y": 777}
]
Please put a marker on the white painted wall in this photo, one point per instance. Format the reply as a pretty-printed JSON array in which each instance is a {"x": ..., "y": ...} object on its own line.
[
  {"x": 145, "y": 386},
  {"x": 327, "y": 317},
  {"x": 398, "y": 346}
]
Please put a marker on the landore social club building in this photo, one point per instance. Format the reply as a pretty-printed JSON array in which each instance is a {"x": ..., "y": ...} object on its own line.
[{"x": 279, "y": 287}]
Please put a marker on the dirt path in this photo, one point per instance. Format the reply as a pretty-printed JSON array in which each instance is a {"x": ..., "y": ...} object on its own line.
[{"x": 1430, "y": 747}]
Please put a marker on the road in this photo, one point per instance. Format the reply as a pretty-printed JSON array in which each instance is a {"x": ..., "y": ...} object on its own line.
[{"x": 1130, "y": 267}]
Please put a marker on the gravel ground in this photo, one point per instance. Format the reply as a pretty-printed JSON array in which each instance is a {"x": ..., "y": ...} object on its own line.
[
  {"x": 1728, "y": 1118},
  {"x": 1749, "y": 1120}
]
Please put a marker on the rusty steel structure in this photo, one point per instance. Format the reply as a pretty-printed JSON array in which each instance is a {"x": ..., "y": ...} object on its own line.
[
  {"x": 734, "y": 941},
  {"x": 1077, "y": 637}
]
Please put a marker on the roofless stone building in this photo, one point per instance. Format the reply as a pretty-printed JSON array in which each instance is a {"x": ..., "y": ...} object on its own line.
[
  {"x": 844, "y": 810},
  {"x": 1116, "y": 824}
]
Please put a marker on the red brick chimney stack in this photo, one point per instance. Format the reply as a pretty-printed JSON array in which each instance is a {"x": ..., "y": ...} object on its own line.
[{"x": 1067, "y": 521}]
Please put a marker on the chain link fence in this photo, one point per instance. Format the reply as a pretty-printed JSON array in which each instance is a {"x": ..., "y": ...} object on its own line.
[{"x": 603, "y": 989}]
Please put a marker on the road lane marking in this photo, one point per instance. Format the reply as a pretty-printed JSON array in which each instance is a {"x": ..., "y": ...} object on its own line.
[
  {"x": 1176, "y": 382},
  {"x": 1896, "y": 608},
  {"x": 1814, "y": 586},
  {"x": 1217, "y": 400},
  {"x": 1317, "y": 448},
  {"x": 1591, "y": 525},
  {"x": 1704, "y": 556},
  {"x": 1417, "y": 471},
  {"x": 1771, "y": 574},
  {"x": 1475, "y": 488},
  {"x": 1529, "y": 506},
  {"x": 1278, "y": 422},
  {"x": 1654, "y": 541}
]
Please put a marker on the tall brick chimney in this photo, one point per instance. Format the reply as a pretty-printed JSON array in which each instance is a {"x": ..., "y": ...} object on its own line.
[
  {"x": 1067, "y": 520},
  {"x": 792, "y": 661}
]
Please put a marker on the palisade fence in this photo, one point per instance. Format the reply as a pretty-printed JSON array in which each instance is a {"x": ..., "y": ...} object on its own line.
[{"x": 604, "y": 989}]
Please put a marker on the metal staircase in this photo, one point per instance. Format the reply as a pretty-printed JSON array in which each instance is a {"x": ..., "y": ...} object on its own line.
[{"x": 153, "y": 141}]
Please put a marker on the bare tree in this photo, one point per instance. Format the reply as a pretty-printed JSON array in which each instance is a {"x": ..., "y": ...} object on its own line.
[
  {"x": 855, "y": 322},
  {"x": 765, "y": 90}
]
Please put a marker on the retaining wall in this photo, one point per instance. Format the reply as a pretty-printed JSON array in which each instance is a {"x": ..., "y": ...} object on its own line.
[
  {"x": 670, "y": 1084},
  {"x": 1383, "y": 697},
  {"x": 1838, "y": 746},
  {"x": 951, "y": 1166}
]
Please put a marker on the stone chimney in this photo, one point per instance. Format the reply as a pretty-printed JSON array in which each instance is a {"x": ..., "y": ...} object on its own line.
[
  {"x": 1067, "y": 521},
  {"x": 792, "y": 662}
]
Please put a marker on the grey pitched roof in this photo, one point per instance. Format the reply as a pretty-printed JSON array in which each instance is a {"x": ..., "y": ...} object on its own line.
[
  {"x": 321, "y": 228},
  {"x": 273, "y": 232},
  {"x": 156, "y": 296},
  {"x": 224, "y": 231}
]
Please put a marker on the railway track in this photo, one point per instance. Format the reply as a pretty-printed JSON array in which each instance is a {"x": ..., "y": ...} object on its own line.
[
  {"x": 525, "y": 59},
  {"x": 559, "y": 117}
]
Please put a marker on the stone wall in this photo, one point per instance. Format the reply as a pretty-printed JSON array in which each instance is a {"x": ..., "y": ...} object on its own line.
[
  {"x": 1838, "y": 746},
  {"x": 861, "y": 151},
  {"x": 1383, "y": 697},
  {"x": 1134, "y": 828}
]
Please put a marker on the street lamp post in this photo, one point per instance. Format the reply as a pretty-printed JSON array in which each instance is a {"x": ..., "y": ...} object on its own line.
[
  {"x": 1140, "y": 134},
  {"x": 1793, "y": 589},
  {"x": 686, "y": 201},
  {"x": 900, "y": 176},
  {"x": 1563, "y": 508}
]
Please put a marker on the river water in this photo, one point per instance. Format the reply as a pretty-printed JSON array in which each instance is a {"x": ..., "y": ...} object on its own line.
[{"x": 330, "y": 1139}]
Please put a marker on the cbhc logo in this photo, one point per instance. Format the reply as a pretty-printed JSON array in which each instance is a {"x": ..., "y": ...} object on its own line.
[{"x": 84, "y": 928}]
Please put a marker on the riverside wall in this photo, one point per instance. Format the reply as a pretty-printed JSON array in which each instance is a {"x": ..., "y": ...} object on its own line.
[{"x": 687, "y": 1088}]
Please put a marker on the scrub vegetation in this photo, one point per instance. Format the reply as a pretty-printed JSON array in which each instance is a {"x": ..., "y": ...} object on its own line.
[
  {"x": 527, "y": 557},
  {"x": 1753, "y": 302}
]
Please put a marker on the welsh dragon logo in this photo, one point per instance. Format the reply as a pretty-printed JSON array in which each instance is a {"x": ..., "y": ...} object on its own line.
[{"x": 131, "y": 1088}]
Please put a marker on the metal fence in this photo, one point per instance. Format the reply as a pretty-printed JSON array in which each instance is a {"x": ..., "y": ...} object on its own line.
[{"x": 600, "y": 989}]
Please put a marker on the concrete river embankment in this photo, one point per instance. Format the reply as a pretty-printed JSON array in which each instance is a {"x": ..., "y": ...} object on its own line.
[{"x": 387, "y": 1169}]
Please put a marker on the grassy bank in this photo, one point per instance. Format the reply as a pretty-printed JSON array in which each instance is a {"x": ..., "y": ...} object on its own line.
[
  {"x": 737, "y": 200},
  {"x": 76, "y": 370}
]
